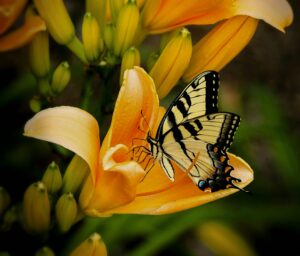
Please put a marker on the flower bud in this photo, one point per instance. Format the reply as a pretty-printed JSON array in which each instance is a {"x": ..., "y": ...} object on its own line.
[
  {"x": 61, "y": 77},
  {"x": 36, "y": 208},
  {"x": 9, "y": 218},
  {"x": 108, "y": 35},
  {"x": 151, "y": 60},
  {"x": 75, "y": 175},
  {"x": 59, "y": 23},
  {"x": 45, "y": 251},
  {"x": 44, "y": 86},
  {"x": 52, "y": 178},
  {"x": 39, "y": 58},
  {"x": 4, "y": 200},
  {"x": 93, "y": 246},
  {"x": 66, "y": 211},
  {"x": 35, "y": 104},
  {"x": 172, "y": 62},
  {"x": 92, "y": 41},
  {"x": 126, "y": 27},
  {"x": 130, "y": 59}
]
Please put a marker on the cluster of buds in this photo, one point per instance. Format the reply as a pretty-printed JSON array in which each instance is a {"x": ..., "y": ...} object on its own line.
[{"x": 51, "y": 203}]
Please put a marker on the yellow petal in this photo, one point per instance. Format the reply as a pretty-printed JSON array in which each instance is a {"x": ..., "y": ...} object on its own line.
[
  {"x": 221, "y": 45},
  {"x": 9, "y": 12},
  {"x": 71, "y": 128},
  {"x": 137, "y": 101},
  {"x": 160, "y": 16},
  {"x": 22, "y": 35},
  {"x": 117, "y": 183},
  {"x": 183, "y": 194}
]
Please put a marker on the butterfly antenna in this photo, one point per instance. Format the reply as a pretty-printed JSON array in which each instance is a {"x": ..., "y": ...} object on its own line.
[{"x": 144, "y": 118}]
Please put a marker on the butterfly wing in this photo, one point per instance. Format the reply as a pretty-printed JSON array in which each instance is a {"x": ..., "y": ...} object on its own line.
[
  {"x": 200, "y": 97},
  {"x": 211, "y": 140}
]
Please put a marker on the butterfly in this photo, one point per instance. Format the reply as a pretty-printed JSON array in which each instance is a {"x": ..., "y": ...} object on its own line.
[{"x": 195, "y": 136}]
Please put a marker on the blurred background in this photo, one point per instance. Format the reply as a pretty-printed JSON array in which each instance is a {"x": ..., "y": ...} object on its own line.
[{"x": 261, "y": 85}]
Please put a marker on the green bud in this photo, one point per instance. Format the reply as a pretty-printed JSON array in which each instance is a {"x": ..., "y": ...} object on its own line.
[
  {"x": 152, "y": 58},
  {"x": 108, "y": 35},
  {"x": 93, "y": 246},
  {"x": 130, "y": 59},
  {"x": 115, "y": 7},
  {"x": 52, "y": 178},
  {"x": 36, "y": 208},
  {"x": 75, "y": 175},
  {"x": 45, "y": 251},
  {"x": 44, "y": 86},
  {"x": 35, "y": 104},
  {"x": 61, "y": 77},
  {"x": 126, "y": 27},
  {"x": 39, "y": 58},
  {"x": 4, "y": 200},
  {"x": 66, "y": 211},
  {"x": 9, "y": 218},
  {"x": 91, "y": 37}
]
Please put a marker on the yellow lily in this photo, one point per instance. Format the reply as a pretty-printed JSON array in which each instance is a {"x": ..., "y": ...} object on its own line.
[
  {"x": 10, "y": 10},
  {"x": 117, "y": 184},
  {"x": 164, "y": 15}
]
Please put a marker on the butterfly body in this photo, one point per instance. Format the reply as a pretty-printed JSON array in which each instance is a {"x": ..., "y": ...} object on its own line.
[{"x": 195, "y": 136}]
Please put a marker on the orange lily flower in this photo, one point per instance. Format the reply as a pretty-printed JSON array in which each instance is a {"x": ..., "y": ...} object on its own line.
[
  {"x": 117, "y": 184},
  {"x": 164, "y": 15},
  {"x": 10, "y": 10}
]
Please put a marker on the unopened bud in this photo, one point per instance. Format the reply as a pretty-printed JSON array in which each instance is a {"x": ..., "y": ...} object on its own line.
[
  {"x": 108, "y": 35},
  {"x": 172, "y": 62},
  {"x": 126, "y": 27},
  {"x": 52, "y": 178},
  {"x": 4, "y": 200},
  {"x": 59, "y": 23},
  {"x": 35, "y": 104},
  {"x": 61, "y": 77},
  {"x": 115, "y": 7},
  {"x": 39, "y": 58},
  {"x": 91, "y": 38},
  {"x": 36, "y": 208},
  {"x": 45, "y": 251},
  {"x": 130, "y": 59},
  {"x": 151, "y": 60},
  {"x": 66, "y": 211},
  {"x": 93, "y": 246},
  {"x": 75, "y": 175}
]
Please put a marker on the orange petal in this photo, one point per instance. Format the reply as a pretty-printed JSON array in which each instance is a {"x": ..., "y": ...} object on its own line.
[
  {"x": 160, "y": 16},
  {"x": 183, "y": 194},
  {"x": 9, "y": 12},
  {"x": 221, "y": 45},
  {"x": 116, "y": 185},
  {"x": 71, "y": 128},
  {"x": 22, "y": 35},
  {"x": 137, "y": 100}
]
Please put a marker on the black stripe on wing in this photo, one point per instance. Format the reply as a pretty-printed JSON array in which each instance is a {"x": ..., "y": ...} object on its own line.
[{"x": 200, "y": 97}]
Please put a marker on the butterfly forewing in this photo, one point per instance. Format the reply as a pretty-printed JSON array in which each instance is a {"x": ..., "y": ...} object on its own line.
[{"x": 200, "y": 97}]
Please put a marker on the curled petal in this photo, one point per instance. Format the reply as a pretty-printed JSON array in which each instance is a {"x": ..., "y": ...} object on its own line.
[
  {"x": 9, "y": 12},
  {"x": 221, "y": 45},
  {"x": 22, "y": 35},
  {"x": 117, "y": 183},
  {"x": 157, "y": 17},
  {"x": 71, "y": 128},
  {"x": 137, "y": 100},
  {"x": 182, "y": 194}
]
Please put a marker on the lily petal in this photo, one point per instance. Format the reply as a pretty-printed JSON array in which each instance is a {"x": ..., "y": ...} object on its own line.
[
  {"x": 221, "y": 45},
  {"x": 183, "y": 194},
  {"x": 22, "y": 35},
  {"x": 137, "y": 100},
  {"x": 116, "y": 185},
  {"x": 157, "y": 17},
  {"x": 70, "y": 127},
  {"x": 9, "y": 12}
]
